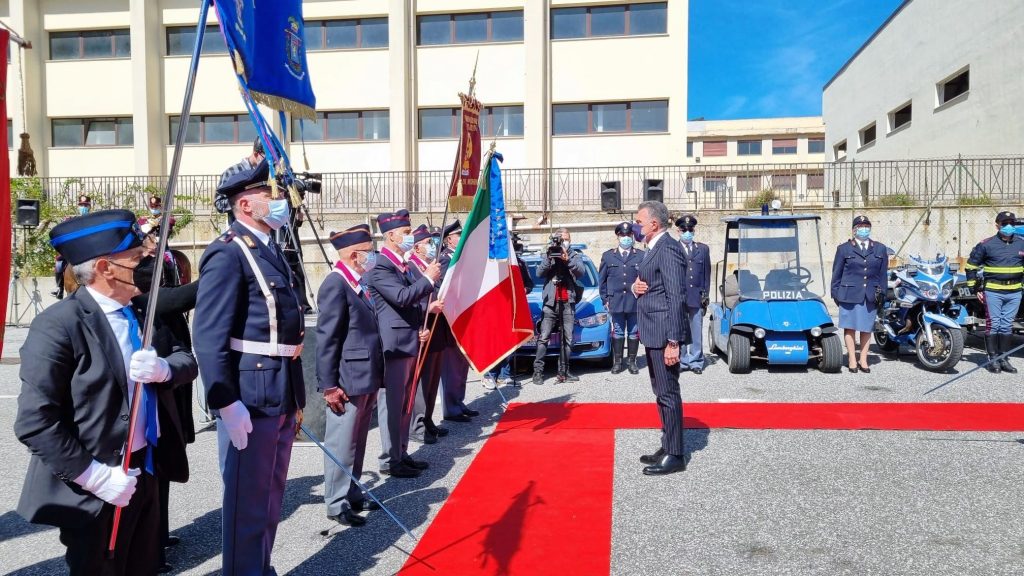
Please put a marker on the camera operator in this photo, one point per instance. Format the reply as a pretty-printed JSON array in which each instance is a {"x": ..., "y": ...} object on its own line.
[{"x": 560, "y": 268}]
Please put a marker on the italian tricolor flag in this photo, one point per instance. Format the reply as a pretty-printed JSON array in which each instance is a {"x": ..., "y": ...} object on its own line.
[{"x": 483, "y": 295}]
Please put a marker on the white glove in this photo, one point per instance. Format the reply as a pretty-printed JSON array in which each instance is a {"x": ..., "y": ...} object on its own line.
[
  {"x": 146, "y": 366},
  {"x": 109, "y": 483},
  {"x": 237, "y": 423}
]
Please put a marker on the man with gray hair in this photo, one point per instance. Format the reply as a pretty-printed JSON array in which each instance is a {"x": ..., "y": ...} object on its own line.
[{"x": 660, "y": 289}]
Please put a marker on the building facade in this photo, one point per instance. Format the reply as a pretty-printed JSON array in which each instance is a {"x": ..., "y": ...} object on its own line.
[
  {"x": 940, "y": 78},
  {"x": 564, "y": 84}
]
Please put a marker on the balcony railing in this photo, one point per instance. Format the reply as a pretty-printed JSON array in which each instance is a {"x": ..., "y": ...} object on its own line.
[{"x": 962, "y": 181}]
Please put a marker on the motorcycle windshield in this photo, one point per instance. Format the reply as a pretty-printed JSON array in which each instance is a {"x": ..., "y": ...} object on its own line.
[
  {"x": 934, "y": 268},
  {"x": 779, "y": 260}
]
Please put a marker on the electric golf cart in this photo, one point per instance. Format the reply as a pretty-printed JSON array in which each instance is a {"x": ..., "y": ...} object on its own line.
[{"x": 769, "y": 304}]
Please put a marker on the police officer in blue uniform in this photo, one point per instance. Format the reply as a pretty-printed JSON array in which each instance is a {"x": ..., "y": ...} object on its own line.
[
  {"x": 996, "y": 267},
  {"x": 698, "y": 286},
  {"x": 859, "y": 273},
  {"x": 617, "y": 272},
  {"x": 349, "y": 369},
  {"x": 248, "y": 333}
]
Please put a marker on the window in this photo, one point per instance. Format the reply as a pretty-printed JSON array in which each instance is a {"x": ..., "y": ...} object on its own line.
[
  {"x": 446, "y": 122},
  {"x": 72, "y": 132},
  {"x": 900, "y": 117},
  {"x": 816, "y": 181},
  {"x": 784, "y": 182},
  {"x": 339, "y": 34},
  {"x": 90, "y": 44},
  {"x": 954, "y": 86},
  {"x": 621, "y": 117},
  {"x": 622, "y": 20},
  {"x": 748, "y": 183},
  {"x": 867, "y": 135},
  {"x": 840, "y": 150},
  {"x": 472, "y": 28},
  {"x": 784, "y": 146},
  {"x": 181, "y": 40},
  {"x": 748, "y": 147},
  {"x": 719, "y": 148},
  {"x": 215, "y": 129},
  {"x": 348, "y": 125},
  {"x": 816, "y": 146},
  {"x": 689, "y": 149},
  {"x": 714, "y": 184}
]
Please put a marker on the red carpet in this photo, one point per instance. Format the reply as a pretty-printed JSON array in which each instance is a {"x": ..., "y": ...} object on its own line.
[{"x": 537, "y": 499}]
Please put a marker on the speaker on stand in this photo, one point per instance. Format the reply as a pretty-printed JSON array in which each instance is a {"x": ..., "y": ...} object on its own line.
[
  {"x": 653, "y": 190},
  {"x": 611, "y": 196},
  {"x": 26, "y": 217}
]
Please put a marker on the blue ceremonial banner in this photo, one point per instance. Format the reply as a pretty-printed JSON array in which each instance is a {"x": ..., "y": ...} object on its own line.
[{"x": 267, "y": 45}]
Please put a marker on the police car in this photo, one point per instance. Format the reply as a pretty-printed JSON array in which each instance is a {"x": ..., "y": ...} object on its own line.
[{"x": 592, "y": 332}]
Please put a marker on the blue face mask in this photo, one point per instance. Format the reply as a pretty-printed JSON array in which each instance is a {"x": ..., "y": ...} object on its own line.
[
  {"x": 83, "y": 210},
  {"x": 407, "y": 243},
  {"x": 370, "y": 262},
  {"x": 686, "y": 236},
  {"x": 154, "y": 211},
  {"x": 863, "y": 233},
  {"x": 1008, "y": 230},
  {"x": 625, "y": 242},
  {"x": 277, "y": 215},
  {"x": 431, "y": 251}
]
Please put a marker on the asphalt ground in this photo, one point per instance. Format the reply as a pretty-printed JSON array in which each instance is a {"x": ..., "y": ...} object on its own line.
[{"x": 751, "y": 502}]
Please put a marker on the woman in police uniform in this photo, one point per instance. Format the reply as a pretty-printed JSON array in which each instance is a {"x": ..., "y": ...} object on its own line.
[{"x": 859, "y": 273}]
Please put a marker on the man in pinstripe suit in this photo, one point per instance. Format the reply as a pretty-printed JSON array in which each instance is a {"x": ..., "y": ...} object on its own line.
[{"x": 663, "y": 328}]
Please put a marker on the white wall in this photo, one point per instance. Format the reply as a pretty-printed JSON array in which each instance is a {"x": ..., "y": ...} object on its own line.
[{"x": 926, "y": 42}]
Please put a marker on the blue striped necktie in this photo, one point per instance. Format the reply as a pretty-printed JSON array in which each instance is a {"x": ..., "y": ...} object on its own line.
[{"x": 148, "y": 396}]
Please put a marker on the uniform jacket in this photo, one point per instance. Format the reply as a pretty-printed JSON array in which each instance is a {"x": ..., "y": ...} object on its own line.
[
  {"x": 396, "y": 298},
  {"x": 615, "y": 276},
  {"x": 231, "y": 305},
  {"x": 698, "y": 272},
  {"x": 568, "y": 273},
  {"x": 349, "y": 351},
  {"x": 438, "y": 340},
  {"x": 73, "y": 408},
  {"x": 661, "y": 312},
  {"x": 1002, "y": 262},
  {"x": 857, "y": 274}
]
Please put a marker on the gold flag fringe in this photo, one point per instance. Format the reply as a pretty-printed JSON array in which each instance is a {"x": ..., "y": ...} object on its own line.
[{"x": 290, "y": 106}]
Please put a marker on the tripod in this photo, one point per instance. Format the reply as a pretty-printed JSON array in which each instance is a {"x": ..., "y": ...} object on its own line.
[{"x": 34, "y": 298}]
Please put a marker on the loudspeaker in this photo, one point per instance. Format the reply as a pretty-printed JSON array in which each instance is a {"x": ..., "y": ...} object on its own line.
[
  {"x": 611, "y": 196},
  {"x": 653, "y": 190},
  {"x": 27, "y": 213}
]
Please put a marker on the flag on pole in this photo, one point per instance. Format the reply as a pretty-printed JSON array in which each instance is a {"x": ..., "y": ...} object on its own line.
[{"x": 484, "y": 300}]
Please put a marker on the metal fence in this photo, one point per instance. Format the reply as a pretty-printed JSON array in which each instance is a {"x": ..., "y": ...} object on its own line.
[{"x": 954, "y": 181}]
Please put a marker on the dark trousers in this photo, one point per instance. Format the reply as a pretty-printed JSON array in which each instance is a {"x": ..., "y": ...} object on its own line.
[
  {"x": 392, "y": 418},
  {"x": 562, "y": 314},
  {"x": 254, "y": 482},
  {"x": 665, "y": 383},
  {"x": 138, "y": 537},
  {"x": 426, "y": 392}
]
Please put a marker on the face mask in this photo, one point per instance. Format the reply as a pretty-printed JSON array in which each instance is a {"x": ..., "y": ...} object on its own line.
[
  {"x": 370, "y": 261},
  {"x": 142, "y": 275},
  {"x": 625, "y": 242},
  {"x": 154, "y": 211},
  {"x": 83, "y": 210},
  {"x": 431, "y": 251},
  {"x": 863, "y": 233},
  {"x": 687, "y": 236},
  {"x": 407, "y": 243},
  {"x": 277, "y": 214},
  {"x": 1008, "y": 230}
]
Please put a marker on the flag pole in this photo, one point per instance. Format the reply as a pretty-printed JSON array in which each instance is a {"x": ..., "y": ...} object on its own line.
[{"x": 165, "y": 220}]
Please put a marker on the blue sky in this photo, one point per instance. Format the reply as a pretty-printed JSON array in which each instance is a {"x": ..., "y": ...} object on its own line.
[{"x": 771, "y": 58}]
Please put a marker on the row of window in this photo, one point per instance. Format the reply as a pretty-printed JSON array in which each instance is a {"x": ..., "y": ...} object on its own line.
[
  {"x": 946, "y": 92},
  {"x": 432, "y": 29},
  {"x": 756, "y": 183},
  {"x": 780, "y": 147},
  {"x": 569, "y": 119}
]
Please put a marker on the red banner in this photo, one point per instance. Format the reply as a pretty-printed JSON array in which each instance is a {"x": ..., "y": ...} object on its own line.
[
  {"x": 5, "y": 187},
  {"x": 467, "y": 160}
]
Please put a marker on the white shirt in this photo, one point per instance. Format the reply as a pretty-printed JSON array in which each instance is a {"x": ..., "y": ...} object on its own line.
[
  {"x": 653, "y": 241},
  {"x": 119, "y": 326},
  {"x": 687, "y": 246},
  {"x": 260, "y": 235},
  {"x": 623, "y": 253}
]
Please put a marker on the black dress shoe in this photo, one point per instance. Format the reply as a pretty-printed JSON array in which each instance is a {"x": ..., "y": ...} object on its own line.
[
  {"x": 164, "y": 568},
  {"x": 365, "y": 505},
  {"x": 697, "y": 371},
  {"x": 172, "y": 541},
  {"x": 400, "y": 471},
  {"x": 414, "y": 464},
  {"x": 349, "y": 518},
  {"x": 458, "y": 418},
  {"x": 652, "y": 458},
  {"x": 668, "y": 464},
  {"x": 423, "y": 438},
  {"x": 435, "y": 429},
  {"x": 470, "y": 412}
]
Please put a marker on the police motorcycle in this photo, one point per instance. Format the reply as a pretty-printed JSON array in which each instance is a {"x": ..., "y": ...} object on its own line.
[{"x": 919, "y": 312}]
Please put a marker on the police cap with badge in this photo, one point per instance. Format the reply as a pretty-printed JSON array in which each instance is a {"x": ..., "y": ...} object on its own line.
[
  {"x": 94, "y": 235},
  {"x": 624, "y": 229},
  {"x": 861, "y": 220},
  {"x": 453, "y": 228},
  {"x": 688, "y": 221},
  {"x": 1006, "y": 217}
]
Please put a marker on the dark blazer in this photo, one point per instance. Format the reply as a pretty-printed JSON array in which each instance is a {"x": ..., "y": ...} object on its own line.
[
  {"x": 396, "y": 298},
  {"x": 698, "y": 272},
  {"x": 615, "y": 276},
  {"x": 438, "y": 340},
  {"x": 661, "y": 312},
  {"x": 857, "y": 274},
  {"x": 569, "y": 273},
  {"x": 231, "y": 305},
  {"x": 349, "y": 353},
  {"x": 73, "y": 408}
]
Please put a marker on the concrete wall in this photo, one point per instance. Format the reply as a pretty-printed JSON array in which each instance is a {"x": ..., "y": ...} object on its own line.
[{"x": 925, "y": 43}]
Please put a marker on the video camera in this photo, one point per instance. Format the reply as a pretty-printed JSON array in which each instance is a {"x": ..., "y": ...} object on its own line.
[
  {"x": 555, "y": 248},
  {"x": 517, "y": 243},
  {"x": 311, "y": 182}
]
